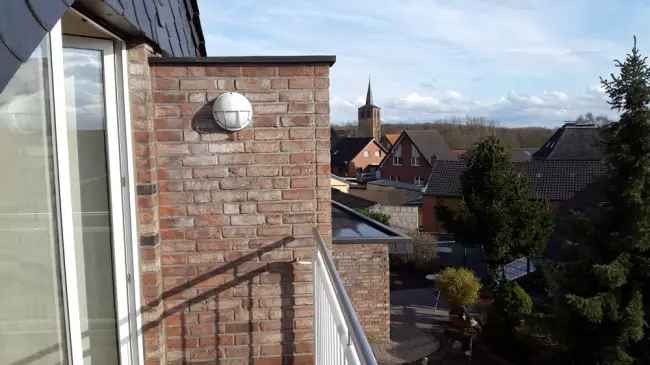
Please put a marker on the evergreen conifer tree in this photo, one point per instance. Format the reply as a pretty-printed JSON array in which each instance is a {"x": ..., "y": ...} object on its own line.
[
  {"x": 499, "y": 211},
  {"x": 606, "y": 301}
]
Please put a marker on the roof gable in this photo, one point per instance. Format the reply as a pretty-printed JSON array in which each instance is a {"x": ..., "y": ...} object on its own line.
[
  {"x": 573, "y": 142},
  {"x": 348, "y": 148},
  {"x": 429, "y": 144}
]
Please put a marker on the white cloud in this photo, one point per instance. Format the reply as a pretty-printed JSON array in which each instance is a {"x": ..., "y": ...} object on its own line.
[
  {"x": 550, "y": 108},
  {"x": 437, "y": 58}
]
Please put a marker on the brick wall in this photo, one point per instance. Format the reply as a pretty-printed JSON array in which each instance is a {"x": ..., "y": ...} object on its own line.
[
  {"x": 430, "y": 221},
  {"x": 230, "y": 213},
  {"x": 144, "y": 145},
  {"x": 405, "y": 217},
  {"x": 364, "y": 270}
]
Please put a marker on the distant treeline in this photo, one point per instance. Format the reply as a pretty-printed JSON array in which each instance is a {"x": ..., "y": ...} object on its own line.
[{"x": 461, "y": 134}]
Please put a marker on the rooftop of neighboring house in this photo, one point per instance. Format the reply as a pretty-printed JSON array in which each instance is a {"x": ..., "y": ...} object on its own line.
[
  {"x": 522, "y": 154},
  {"x": 554, "y": 180},
  {"x": 349, "y": 226},
  {"x": 350, "y": 200},
  {"x": 347, "y": 148},
  {"x": 573, "y": 141},
  {"x": 516, "y": 154},
  {"x": 396, "y": 184},
  {"x": 430, "y": 143},
  {"x": 391, "y": 138}
]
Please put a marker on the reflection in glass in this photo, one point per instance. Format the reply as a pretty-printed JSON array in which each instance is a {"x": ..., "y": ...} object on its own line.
[
  {"x": 31, "y": 309},
  {"x": 84, "y": 84}
]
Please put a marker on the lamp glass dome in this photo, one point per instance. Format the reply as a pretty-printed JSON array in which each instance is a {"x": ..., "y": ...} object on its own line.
[{"x": 232, "y": 111}]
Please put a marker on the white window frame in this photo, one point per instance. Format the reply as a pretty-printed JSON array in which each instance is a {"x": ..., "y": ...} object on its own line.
[
  {"x": 365, "y": 153},
  {"x": 415, "y": 156},
  {"x": 397, "y": 156},
  {"x": 122, "y": 198},
  {"x": 418, "y": 180}
]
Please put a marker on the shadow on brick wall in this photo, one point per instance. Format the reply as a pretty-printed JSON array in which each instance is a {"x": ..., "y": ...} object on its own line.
[
  {"x": 242, "y": 275},
  {"x": 203, "y": 121},
  {"x": 284, "y": 269}
]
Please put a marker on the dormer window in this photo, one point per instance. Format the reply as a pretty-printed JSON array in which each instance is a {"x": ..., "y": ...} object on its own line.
[
  {"x": 397, "y": 156},
  {"x": 415, "y": 156}
]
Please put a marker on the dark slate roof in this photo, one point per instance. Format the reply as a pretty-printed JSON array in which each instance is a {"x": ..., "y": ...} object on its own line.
[
  {"x": 347, "y": 148},
  {"x": 558, "y": 180},
  {"x": 395, "y": 184},
  {"x": 573, "y": 142},
  {"x": 445, "y": 179},
  {"x": 172, "y": 25},
  {"x": 350, "y": 200},
  {"x": 522, "y": 154},
  {"x": 431, "y": 144},
  {"x": 553, "y": 180}
]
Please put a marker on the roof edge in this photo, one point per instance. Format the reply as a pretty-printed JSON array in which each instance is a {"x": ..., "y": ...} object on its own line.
[
  {"x": 398, "y": 236},
  {"x": 227, "y": 60}
]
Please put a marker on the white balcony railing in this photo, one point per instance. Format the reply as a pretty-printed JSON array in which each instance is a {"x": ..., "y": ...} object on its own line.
[{"x": 339, "y": 337}]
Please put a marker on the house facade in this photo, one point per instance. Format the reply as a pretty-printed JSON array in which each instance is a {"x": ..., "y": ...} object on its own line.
[
  {"x": 410, "y": 158},
  {"x": 135, "y": 230},
  {"x": 353, "y": 155}
]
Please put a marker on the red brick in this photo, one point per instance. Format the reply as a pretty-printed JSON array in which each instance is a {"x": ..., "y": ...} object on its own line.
[
  {"x": 298, "y": 194},
  {"x": 257, "y": 71},
  {"x": 301, "y": 133},
  {"x": 302, "y": 83},
  {"x": 266, "y": 120},
  {"x": 297, "y": 107},
  {"x": 252, "y": 84},
  {"x": 169, "y": 136},
  {"x": 211, "y": 220},
  {"x": 297, "y": 146},
  {"x": 271, "y": 133},
  {"x": 297, "y": 95},
  {"x": 297, "y": 121},
  {"x": 167, "y": 111},
  {"x": 274, "y": 108},
  {"x": 169, "y": 97},
  {"x": 232, "y": 71},
  {"x": 322, "y": 83},
  {"x": 174, "y": 198},
  {"x": 165, "y": 84},
  {"x": 267, "y": 231},
  {"x": 272, "y": 158},
  {"x": 169, "y": 123},
  {"x": 169, "y": 71},
  {"x": 296, "y": 71},
  {"x": 196, "y": 84},
  {"x": 280, "y": 84}
]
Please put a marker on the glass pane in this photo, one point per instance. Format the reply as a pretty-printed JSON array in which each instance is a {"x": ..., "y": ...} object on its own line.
[
  {"x": 84, "y": 84},
  {"x": 32, "y": 327}
]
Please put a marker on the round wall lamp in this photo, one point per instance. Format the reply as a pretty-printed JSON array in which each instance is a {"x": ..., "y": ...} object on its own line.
[{"x": 232, "y": 111}]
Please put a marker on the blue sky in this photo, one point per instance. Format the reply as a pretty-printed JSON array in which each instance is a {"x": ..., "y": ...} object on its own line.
[{"x": 518, "y": 62}]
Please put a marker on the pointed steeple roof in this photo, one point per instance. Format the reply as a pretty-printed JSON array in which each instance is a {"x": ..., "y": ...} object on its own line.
[{"x": 369, "y": 94}]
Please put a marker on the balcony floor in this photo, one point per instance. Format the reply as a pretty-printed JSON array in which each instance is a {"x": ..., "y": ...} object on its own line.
[{"x": 414, "y": 324}]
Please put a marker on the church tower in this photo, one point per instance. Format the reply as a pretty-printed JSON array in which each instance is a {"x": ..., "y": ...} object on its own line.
[{"x": 369, "y": 118}]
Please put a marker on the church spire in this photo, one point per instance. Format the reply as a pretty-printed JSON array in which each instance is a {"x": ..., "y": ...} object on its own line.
[{"x": 369, "y": 94}]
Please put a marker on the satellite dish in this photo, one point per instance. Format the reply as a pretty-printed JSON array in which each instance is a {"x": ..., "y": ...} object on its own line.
[{"x": 232, "y": 111}]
